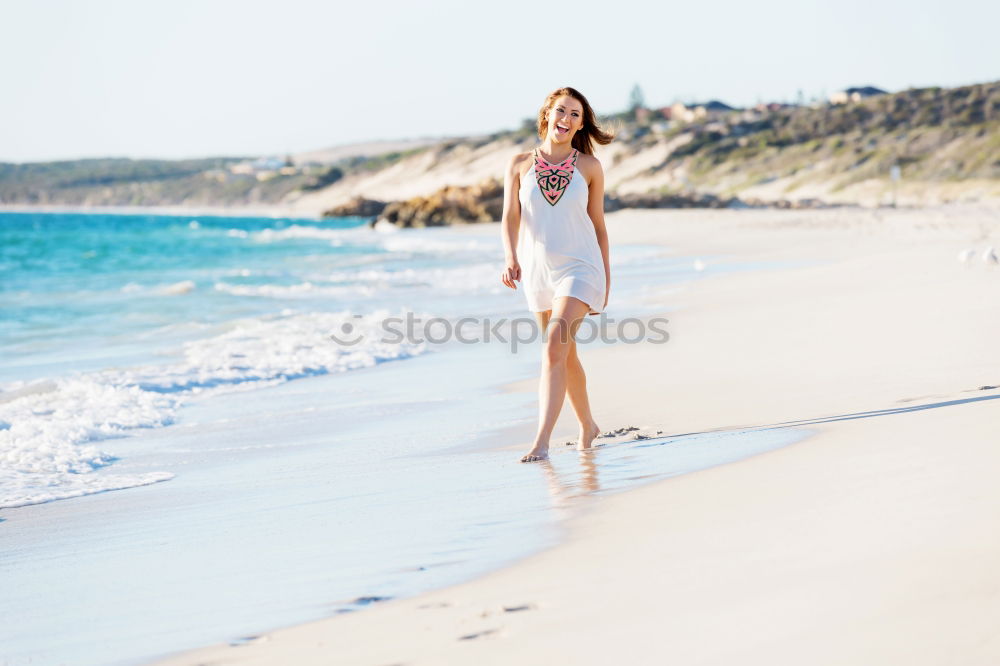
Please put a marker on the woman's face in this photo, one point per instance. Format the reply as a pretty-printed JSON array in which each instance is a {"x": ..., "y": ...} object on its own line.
[{"x": 565, "y": 119}]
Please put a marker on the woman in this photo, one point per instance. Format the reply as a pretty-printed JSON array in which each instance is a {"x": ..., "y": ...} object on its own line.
[{"x": 557, "y": 191}]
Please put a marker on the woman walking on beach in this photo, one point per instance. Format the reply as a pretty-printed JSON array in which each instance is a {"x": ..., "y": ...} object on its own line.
[{"x": 557, "y": 192}]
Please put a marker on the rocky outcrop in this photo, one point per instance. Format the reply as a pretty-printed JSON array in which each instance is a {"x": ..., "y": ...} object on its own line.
[
  {"x": 613, "y": 203},
  {"x": 484, "y": 203},
  {"x": 651, "y": 200},
  {"x": 449, "y": 205},
  {"x": 357, "y": 207},
  {"x": 788, "y": 203}
]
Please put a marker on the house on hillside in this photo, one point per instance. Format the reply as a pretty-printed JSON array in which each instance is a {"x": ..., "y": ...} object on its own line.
[
  {"x": 764, "y": 107},
  {"x": 855, "y": 94},
  {"x": 264, "y": 168},
  {"x": 715, "y": 106},
  {"x": 690, "y": 112},
  {"x": 680, "y": 112}
]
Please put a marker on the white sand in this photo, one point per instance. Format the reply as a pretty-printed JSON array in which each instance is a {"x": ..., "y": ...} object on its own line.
[{"x": 874, "y": 541}]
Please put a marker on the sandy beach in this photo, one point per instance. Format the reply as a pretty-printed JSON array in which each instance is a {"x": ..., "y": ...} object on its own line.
[{"x": 872, "y": 541}]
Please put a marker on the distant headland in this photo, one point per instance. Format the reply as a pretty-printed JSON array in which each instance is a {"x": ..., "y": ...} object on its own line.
[{"x": 862, "y": 146}]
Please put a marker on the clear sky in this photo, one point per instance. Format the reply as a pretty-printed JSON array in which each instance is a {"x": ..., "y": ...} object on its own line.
[{"x": 181, "y": 78}]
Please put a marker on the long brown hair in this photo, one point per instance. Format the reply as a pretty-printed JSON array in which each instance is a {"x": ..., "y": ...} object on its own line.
[{"x": 585, "y": 137}]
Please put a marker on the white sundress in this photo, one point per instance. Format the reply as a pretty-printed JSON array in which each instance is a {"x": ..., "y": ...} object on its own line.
[{"x": 557, "y": 245}]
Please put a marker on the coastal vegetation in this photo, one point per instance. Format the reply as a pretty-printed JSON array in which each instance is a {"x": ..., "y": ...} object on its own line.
[{"x": 919, "y": 141}]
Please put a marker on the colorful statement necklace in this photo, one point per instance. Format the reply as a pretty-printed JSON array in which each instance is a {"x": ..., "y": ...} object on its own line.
[{"x": 554, "y": 178}]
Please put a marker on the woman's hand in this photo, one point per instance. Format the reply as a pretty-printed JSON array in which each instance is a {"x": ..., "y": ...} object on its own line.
[{"x": 511, "y": 273}]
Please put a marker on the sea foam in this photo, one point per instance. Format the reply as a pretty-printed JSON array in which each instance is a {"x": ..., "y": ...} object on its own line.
[{"x": 50, "y": 430}]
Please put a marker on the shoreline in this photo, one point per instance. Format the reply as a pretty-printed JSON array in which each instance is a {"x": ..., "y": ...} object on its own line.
[
  {"x": 311, "y": 446},
  {"x": 316, "y": 213},
  {"x": 860, "y": 538}
]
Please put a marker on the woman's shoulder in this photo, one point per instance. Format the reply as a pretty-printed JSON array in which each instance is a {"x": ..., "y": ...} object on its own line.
[
  {"x": 589, "y": 165},
  {"x": 518, "y": 161},
  {"x": 519, "y": 158},
  {"x": 585, "y": 160}
]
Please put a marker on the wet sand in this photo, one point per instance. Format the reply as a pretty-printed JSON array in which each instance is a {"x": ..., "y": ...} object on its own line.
[{"x": 872, "y": 541}]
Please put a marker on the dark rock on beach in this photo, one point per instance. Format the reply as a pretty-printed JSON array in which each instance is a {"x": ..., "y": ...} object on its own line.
[
  {"x": 449, "y": 205},
  {"x": 357, "y": 207},
  {"x": 704, "y": 200},
  {"x": 797, "y": 204},
  {"x": 471, "y": 204},
  {"x": 654, "y": 200}
]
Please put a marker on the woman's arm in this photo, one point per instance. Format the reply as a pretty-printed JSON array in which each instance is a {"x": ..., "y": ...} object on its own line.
[
  {"x": 510, "y": 221},
  {"x": 595, "y": 209}
]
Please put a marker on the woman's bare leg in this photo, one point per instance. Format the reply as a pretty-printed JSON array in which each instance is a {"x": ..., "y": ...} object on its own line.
[
  {"x": 567, "y": 315},
  {"x": 576, "y": 389}
]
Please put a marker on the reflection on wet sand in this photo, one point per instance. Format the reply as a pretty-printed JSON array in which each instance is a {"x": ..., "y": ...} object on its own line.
[
  {"x": 619, "y": 465},
  {"x": 568, "y": 486}
]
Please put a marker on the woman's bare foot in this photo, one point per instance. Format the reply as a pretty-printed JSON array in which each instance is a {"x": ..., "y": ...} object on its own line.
[
  {"x": 587, "y": 436},
  {"x": 537, "y": 453}
]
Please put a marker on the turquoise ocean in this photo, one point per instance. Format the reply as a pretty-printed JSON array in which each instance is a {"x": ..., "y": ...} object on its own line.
[{"x": 206, "y": 432}]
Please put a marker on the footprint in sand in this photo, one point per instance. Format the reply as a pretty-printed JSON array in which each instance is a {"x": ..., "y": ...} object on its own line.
[
  {"x": 364, "y": 601},
  {"x": 626, "y": 430},
  {"x": 514, "y": 609},
  {"x": 479, "y": 634},
  {"x": 247, "y": 640},
  {"x": 620, "y": 431}
]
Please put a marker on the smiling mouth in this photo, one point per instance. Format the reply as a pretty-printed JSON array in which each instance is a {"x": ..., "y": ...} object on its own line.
[{"x": 561, "y": 130}]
